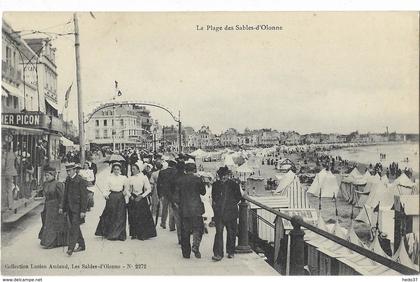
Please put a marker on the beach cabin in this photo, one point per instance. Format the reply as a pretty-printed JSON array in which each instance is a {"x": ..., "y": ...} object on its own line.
[
  {"x": 290, "y": 187},
  {"x": 255, "y": 185},
  {"x": 352, "y": 183},
  {"x": 286, "y": 165}
]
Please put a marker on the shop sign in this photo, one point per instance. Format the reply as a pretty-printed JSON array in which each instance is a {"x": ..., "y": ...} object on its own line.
[{"x": 21, "y": 119}]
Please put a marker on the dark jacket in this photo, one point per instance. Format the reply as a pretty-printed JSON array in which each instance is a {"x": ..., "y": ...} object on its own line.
[
  {"x": 188, "y": 188},
  {"x": 226, "y": 197},
  {"x": 75, "y": 195},
  {"x": 94, "y": 168},
  {"x": 164, "y": 180}
]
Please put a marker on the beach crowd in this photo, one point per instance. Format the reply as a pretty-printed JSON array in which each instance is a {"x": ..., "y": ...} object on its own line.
[{"x": 142, "y": 190}]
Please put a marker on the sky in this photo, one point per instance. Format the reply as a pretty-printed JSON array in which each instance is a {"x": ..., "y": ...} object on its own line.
[{"x": 323, "y": 72}]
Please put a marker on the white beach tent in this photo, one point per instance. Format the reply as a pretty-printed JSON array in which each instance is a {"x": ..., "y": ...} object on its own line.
[
  {"x": 366, "y": 190},
  {"x": 385, "y": 180},
  {"x": 290, "y": 187},
  {"x": 228, "y": 161},
  {"x": 352, "y": 237},
  {"x": 349, "y": 185},
  {"x": 199, "y": 153},
  {"x": 244, "y": 171},
  {"x": 325, "y": 182},
  {"x": 404, "y": 181},
  {"x": 401, "y": 256},
  {"x": 385, "y": 198}
]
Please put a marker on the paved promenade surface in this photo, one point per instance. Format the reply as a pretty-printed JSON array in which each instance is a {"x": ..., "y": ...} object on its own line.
[{"x": 157, "y": 256}]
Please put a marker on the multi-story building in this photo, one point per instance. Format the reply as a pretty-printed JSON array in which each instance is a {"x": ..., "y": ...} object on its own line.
[
  {"x": 290, "y": 138},
  {"x": 45, "y": 69},
  {"x": 124, "y": 126},
  {"x": 206, "y": 137},
  {"x": 229, "y": 138},
  {"x": 170, "y": 136},
  {"x": 269, "y": 137},
  {"x": 31, "y": 130}
]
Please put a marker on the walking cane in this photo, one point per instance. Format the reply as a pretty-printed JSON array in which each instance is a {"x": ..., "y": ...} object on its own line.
[
  {"x": 157, "y": 212},
  {"x": 68, "y": 230}
]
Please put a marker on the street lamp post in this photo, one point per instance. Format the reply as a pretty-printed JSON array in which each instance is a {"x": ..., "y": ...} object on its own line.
[{"x": 79, "y": 90}]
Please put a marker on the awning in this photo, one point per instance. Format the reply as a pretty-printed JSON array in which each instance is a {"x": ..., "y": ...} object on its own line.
[
  {"x": 23, "y": 130},
  {"x": 11, "y": 90},
  {"x": 4, "y": 92},
  {"x": 66, "y": 142}
]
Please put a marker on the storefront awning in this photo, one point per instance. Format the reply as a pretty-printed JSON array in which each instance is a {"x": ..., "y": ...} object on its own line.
[
  {"x": 66, "y": 142},
  {"x": 11, "y": 90},
  {"x": 22, "y": 130},
  {"x": 4, "y": 92}
]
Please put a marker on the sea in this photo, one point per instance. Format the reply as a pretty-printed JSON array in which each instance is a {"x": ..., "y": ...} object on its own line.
[{"x": 405, "y": 154}]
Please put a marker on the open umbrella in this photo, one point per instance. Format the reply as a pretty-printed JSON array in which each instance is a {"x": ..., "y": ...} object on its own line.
[{"x": 114, "y": 158}]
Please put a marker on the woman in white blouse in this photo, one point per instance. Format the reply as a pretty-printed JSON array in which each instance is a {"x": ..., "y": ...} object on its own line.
[
  {"x": 140, "y": 218},
  {"x": 112, "y": 223}
]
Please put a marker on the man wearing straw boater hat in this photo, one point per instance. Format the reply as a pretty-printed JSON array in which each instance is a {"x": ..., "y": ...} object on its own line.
[{"x": 74, "y": 204}]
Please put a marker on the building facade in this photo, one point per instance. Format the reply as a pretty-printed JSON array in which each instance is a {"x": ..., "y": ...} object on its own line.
[
  {"x": 31, "y": 130},
  {"x": 120, "y": 127}
]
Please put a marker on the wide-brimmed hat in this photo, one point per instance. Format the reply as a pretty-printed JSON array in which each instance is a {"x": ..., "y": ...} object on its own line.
[
  {"x": 70, "y": 166},
  {"x": 78, "y": 166}
]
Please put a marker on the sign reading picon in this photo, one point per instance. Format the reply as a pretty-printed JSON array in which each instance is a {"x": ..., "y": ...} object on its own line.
[{"x": 21, "y": 119}]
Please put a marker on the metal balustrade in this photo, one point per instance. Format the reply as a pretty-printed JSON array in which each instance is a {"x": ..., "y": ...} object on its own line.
[{"x": 259, "y": 227}]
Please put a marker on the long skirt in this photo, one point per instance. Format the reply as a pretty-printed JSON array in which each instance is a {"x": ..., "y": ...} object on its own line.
[
  {"x": 112, "y": 223},
  {"x": 54, "y": 228},
  {"x": 140, "y": 219}
]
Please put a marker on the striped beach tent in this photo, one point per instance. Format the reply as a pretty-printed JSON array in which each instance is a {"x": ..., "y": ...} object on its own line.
[{"x": 290, "y": 187}]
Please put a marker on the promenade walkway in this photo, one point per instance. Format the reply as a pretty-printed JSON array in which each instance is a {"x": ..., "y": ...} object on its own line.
[{"x": 157, "y": 256}]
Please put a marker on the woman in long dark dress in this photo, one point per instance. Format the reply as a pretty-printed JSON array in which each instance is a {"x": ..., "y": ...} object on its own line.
[
  {"x": 112, "y": 223},
  {"x": 140, "y": 217},
  {"x": 53, "y": 232}
]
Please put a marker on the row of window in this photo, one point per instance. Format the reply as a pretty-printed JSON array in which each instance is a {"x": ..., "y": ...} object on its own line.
[
  {"x": 120, "y": 134},
  {"x": 105, "y": 122}
]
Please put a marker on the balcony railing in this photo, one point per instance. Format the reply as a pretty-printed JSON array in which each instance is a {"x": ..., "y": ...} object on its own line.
[{"x": 10, "y": 73}]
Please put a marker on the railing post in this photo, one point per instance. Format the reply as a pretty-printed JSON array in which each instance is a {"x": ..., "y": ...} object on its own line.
[
  {"x": 297, "y": 247},
  {"x": 243, "y": 241}
]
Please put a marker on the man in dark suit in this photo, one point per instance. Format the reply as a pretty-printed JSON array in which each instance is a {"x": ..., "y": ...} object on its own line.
[
  {"x": 74, "y": 204},
  {"x": 226, "y": 195},
  {"x": 188, "y": 189},
  {"x": 163, "y": 188}
]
